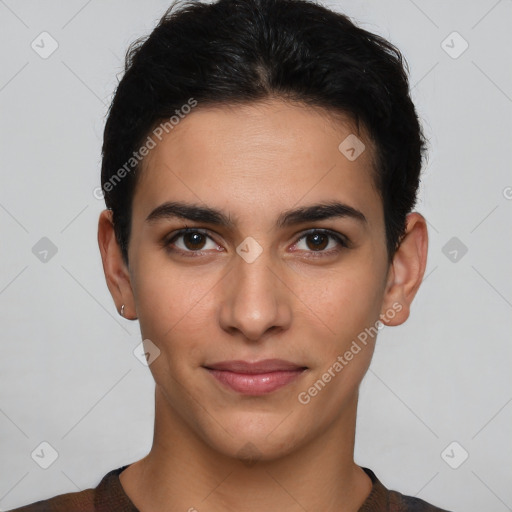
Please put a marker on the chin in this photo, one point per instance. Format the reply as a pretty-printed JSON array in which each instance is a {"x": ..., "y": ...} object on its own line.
[{"x": 262, "y": 438}]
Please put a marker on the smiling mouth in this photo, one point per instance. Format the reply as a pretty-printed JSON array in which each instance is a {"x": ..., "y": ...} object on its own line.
[{"x": 256, "y": 378}]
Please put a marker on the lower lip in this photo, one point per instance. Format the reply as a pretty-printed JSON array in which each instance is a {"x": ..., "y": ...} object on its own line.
[{"x": 255, "y": 384}]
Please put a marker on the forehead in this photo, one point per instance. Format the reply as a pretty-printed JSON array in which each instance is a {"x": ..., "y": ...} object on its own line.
[{"x": 260, "y": 157}]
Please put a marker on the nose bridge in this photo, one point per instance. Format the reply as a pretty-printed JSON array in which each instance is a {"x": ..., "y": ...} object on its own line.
[{"x": 255, "y": 301}]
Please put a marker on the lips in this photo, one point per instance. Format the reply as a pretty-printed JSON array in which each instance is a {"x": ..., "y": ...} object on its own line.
[{"x": 260, "y": 377}]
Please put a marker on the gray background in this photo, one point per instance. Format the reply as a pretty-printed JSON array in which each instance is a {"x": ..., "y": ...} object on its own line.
[{"x": 68, "y": 373}]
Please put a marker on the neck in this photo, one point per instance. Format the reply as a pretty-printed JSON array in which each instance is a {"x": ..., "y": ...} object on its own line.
[{"x": 182, "y": 472}]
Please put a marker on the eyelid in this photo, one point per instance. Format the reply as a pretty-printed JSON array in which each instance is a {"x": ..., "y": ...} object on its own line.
[
  {"x": 342, "y": 240},
  {"x": 183, "y": 231}
]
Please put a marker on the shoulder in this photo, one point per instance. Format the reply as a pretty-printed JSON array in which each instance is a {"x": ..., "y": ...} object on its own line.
[
  {"x": 77, "y": 501},
  {"x": 400, "y": 503},
  {"x": 384, "y": 500},
  {"x": 108, "y": 496}
]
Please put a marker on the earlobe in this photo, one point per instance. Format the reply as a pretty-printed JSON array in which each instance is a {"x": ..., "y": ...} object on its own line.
[
  {"x": 406, "y": 272},
  {"x": 114, "y": 267}
]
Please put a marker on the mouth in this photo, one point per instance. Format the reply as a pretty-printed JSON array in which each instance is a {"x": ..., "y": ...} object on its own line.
[{"x": 258, "y": 378}]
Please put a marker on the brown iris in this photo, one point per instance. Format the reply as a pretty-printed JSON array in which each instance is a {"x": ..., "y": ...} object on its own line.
[
  {"x": 194, "y": 240},
  {"x": 320, "y": 241}
]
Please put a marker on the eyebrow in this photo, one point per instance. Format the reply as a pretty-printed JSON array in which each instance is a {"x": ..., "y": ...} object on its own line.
[{"x": 208, "y": 215}]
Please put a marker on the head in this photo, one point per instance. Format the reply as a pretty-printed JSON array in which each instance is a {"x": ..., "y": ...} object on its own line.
[{"x": 283, "y": 137}]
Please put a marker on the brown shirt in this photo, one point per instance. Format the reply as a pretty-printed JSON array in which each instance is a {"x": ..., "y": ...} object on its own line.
[{"x": 109, "y": 496}]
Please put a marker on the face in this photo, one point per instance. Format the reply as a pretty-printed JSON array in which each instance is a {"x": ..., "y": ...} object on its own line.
[{"x": 266, "y": 271}]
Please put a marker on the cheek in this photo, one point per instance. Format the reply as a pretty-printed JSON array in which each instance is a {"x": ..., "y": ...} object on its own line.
[
  {"x": 174, "y": 307},
  {"x": 349, "y": 307},
  {"x": 342, "y": 302},
  {"x": 360, "y": 299}
]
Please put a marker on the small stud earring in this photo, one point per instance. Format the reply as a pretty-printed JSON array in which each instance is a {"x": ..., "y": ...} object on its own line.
[{"x": 122, "y": 310}]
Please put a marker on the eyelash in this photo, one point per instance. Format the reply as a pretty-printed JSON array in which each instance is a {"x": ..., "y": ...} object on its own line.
[{"x": 341, "y": 241}]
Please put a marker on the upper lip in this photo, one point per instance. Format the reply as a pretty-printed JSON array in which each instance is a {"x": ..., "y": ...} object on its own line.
[{"x": 263, "y": 366}]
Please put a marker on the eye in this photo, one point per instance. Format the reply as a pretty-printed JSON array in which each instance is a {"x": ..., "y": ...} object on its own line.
[
  {"x": 190, "y": 240},
  {"x": 322, "y": 241}
]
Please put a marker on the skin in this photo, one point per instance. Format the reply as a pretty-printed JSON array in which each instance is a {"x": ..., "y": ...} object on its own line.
[{"x": 293, "y": 302}]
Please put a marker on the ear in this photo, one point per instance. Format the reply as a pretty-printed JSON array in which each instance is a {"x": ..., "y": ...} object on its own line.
[
  {"x": 116, "y": 271},
  {"x": 406, "y": 271}
]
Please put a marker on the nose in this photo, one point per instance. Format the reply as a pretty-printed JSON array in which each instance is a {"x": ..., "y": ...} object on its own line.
[{"x": 256, "y": 300}]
